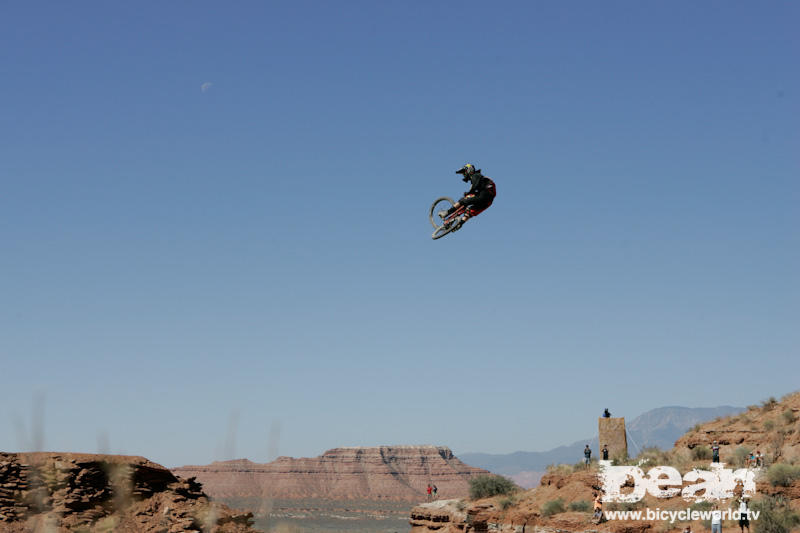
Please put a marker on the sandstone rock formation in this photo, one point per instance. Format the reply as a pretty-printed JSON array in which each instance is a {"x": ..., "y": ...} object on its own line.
[
  {"x": 55, "y": 492},
  {"x": 398, "y": 473},
  {"x": 611, "y": 431}
]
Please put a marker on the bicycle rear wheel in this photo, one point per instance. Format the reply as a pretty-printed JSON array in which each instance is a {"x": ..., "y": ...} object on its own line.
[{"x": 440, "y": 204}]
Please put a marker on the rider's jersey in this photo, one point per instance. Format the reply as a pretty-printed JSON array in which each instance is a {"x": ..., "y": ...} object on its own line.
[{"x": 481, "y": 183}]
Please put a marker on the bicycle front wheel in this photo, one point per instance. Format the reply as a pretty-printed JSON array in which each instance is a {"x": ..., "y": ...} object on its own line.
[
  {"x": 441, "y": 231},
  {"x": 441, "y": 204}
]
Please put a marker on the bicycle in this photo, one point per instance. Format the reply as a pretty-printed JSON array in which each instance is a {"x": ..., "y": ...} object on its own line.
[{"x": 450, "y": 223}]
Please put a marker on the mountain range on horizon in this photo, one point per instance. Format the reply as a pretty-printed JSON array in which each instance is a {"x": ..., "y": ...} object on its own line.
[{"x": 659, "y": 428}]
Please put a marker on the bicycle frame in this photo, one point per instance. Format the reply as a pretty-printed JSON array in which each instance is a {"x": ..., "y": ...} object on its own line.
[
  {"x": 452, "y": 222},
  {"x": 455, "y": 214},
  {"x": 460, "y": 211}
]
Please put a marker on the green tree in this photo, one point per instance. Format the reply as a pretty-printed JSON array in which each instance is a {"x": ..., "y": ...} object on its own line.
[{"x": 486, "y": 486}]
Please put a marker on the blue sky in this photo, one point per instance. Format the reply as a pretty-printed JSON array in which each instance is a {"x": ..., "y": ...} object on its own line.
[{"x": 213, "y": 221}]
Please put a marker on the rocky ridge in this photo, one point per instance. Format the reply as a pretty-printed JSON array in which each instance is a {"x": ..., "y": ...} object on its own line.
[
  {"x": 60, "y": 492},
  {"x": 773, "y": 427}
]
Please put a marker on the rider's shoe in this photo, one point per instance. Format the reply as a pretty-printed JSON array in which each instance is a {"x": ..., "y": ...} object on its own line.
[{"x": 442, "y": 214}]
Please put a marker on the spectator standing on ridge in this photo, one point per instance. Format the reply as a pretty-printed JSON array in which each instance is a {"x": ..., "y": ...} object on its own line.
[
  {"x": 687, "y": 529},
  {"x": 744, "y": 515},
  {"x": 598, "y": 508},
  {"x": 587, "y": 455},
  {"x": 435, "y": 490},
  {"x": 606, "y": 413},
  {"x": 714, "y": 452},
  {"x": 716, "y": 520},
  {"x": 759, "y": 460},
  {"x": 429, "y": 491},
  {"x": 605, "y": 452}
]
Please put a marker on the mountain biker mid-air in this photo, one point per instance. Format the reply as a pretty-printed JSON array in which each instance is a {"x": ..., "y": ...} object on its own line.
[{"x": 478, "y": 198}]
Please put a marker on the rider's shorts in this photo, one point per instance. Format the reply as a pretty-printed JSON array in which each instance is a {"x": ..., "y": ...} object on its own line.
[{"x": 482, "y": 202}]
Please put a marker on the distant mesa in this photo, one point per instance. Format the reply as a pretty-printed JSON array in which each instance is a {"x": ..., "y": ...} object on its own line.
[{"x": 395, "y": 473}]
